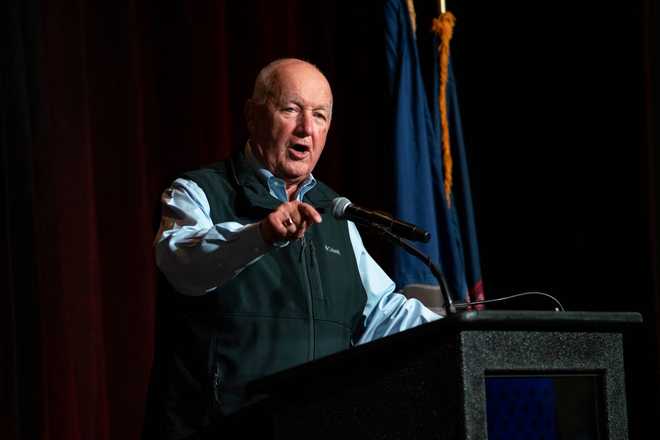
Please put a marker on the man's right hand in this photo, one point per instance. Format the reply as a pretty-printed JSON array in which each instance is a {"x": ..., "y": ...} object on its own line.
[{"x": 289, "y": 221}]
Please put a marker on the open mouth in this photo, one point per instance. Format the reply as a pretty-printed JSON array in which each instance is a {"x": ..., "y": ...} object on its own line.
[{"x": 299, "y": 150}]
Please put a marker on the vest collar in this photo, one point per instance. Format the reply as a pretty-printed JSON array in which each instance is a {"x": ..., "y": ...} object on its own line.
[{"x": 252, "y": 180}]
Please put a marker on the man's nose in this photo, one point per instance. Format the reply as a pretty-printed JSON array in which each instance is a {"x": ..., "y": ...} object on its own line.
[{"x": 305, "y": 124}]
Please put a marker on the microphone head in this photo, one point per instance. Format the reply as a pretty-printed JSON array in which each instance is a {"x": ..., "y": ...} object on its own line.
[{"x": 339, "y": 205}]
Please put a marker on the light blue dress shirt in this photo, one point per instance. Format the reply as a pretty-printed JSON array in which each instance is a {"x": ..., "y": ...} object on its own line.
[{"x": 198, "y": 256}]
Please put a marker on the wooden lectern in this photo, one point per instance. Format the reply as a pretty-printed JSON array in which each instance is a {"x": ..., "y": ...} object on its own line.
[{"x": 435, "y": 381}]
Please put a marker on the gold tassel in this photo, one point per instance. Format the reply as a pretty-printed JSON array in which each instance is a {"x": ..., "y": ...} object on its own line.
[{"x": 443, "y": 26}]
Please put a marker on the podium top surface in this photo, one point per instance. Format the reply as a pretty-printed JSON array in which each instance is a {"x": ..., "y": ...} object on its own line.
[
  {"x": 530, "y": 320},
  {"x": 428, "y": 335}
]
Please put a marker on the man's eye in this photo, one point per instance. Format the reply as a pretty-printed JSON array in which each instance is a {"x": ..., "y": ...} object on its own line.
[
  {"x": 289, "y": 109},
  {"x": 320, "y": 116}
]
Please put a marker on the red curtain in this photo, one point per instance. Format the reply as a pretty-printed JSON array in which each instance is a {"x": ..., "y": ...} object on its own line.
[
  {"x": 131, "y": 94},
  {"x": 94, "y": 198}
]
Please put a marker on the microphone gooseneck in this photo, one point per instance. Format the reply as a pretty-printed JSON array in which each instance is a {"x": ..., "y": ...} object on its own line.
[{"x": 395, "y": 231}]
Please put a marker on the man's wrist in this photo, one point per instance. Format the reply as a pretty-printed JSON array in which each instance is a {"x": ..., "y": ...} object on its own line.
[{"x": 268, "y": 238}]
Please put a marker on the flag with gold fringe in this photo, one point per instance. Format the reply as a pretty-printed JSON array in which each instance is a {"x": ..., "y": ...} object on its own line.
[{"x": 432, "y": 188}]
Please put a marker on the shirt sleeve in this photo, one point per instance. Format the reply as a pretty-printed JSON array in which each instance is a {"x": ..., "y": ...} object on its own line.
[
  {"x": 196, "y": 255},
  {"x": 386, "y": 312}
]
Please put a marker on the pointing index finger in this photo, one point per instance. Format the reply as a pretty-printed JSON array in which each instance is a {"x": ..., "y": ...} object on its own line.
[{"x": 310, "y": 212}]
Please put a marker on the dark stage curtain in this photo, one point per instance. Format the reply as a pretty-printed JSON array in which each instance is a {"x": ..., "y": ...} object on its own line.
[
  {"x": 106, "y": 103},
  {"x": 19, "y": 311}
]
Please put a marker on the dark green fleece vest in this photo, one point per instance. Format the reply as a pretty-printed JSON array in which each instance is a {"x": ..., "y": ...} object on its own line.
[{"x": 295, "y": 304}]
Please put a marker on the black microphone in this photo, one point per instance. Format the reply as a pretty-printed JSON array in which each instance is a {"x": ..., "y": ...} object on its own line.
[{"x": 343, "y": 209}]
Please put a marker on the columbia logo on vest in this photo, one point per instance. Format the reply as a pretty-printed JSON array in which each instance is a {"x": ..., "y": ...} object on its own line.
[{"x": 332, "y": 250}]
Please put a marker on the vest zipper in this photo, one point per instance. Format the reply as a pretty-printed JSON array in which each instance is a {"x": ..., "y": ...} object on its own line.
[{"x": 310, "y": 304}]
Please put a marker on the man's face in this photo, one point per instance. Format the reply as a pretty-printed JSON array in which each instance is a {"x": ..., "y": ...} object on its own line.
[{"x": 289, "y": 130}]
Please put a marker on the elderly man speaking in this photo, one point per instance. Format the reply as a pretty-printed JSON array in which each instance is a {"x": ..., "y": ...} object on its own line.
[{"x": 264, "y": 281}]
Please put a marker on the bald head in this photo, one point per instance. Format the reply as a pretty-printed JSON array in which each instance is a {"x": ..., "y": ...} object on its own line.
[
  {"x": 288, "y": 118},
  {"x": 268, "y": 82}
]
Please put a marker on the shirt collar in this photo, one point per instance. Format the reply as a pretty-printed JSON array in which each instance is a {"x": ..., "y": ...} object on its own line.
[{"x": 276, "y": 186}]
